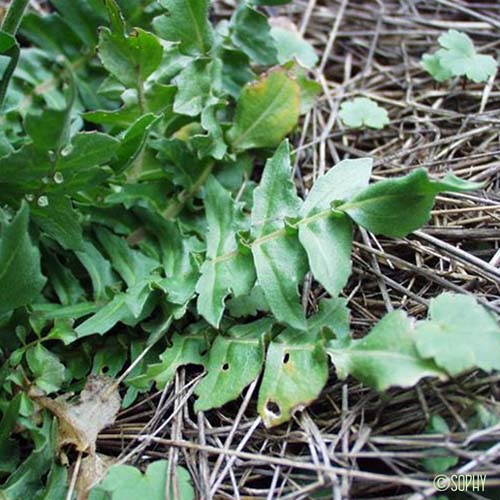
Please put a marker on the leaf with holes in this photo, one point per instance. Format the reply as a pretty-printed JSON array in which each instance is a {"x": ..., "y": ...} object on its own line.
[
  {"x": 296, "y": 371},
  {"x": 234, "y": 361}
]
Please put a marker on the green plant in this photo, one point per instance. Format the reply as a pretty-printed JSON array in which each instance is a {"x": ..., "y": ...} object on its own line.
[
  {"x": 458, "y": 57},
  {"x": 133, "y": 233},
  {"x": 363, "y": 112}
]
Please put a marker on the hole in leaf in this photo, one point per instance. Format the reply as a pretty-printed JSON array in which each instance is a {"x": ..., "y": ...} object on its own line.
[
  {"x": 105, "y": 369},
  {"x": 286, "y": 358},
  {"x": 225, "y": 366},
  {"x": 203, "y": 352},
  {"x": 273, "y": 408}
]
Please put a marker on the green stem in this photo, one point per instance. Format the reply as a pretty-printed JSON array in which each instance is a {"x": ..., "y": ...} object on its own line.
[{"x": 14, "y": 16}]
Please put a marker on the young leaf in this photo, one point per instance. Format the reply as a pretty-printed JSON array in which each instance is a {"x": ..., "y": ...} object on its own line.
[
  {"x": 459, "y": 57},
  {"x": 48, "y": 371},
  {"x": 124, "y": 482},
  {"x": 279, "y": 259},
  {"x": 226, "y": 269},
  {"x": 234, "y": 361},
  {"x": 396, "y": 207},
  {"x": 21, "y": 279},
  {"x": 328, "y": 240},
  {"x": 459, "y": 321},
  {"x": 211, "y": 144},
  {"x": 266, "y": 112},
  {"x": 186, "y": 22},
  {"x": 432, "y": 64},
  {"x": 296, "y": 371},
  {"x": 99, "y": 269},
  {"x": 363, "y": 112},
  {"x": 386, "y": 357},
  {"x": 250, "y": 32},
  {"x": 438, "y": 460}
]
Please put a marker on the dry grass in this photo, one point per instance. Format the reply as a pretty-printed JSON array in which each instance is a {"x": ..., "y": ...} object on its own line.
[{"x": 354, "y": 443}]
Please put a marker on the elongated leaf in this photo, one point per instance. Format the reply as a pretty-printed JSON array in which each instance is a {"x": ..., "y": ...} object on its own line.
[
  {"x": 104, "y": 319},
  {"x": 279, "y": 259},
  {"x": 225, "y": 270},
  {"x": 386, "y": 357},
  {"x": 129, "y": 307},
  {"x": 328, "y": 244},
  {"x": 186, "y": 22},
  {"x": 99, "y": 269},
  {"x": 296, "y": 371},
  {"x": 266, "y": 112},
  {"x": 132, "y": 265},
  {"x": 341, "y": 183},
  {"x": 21, "y": 279},
  {"x": 396, "y": 207},
  {"x": 459, "y": 321},
  {"x": 327, "y": 239},
  {"x": 252, "y": 34},
  {"x": 234, "y": 361}
]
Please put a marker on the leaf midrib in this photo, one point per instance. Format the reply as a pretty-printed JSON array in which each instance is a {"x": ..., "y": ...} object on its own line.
[{"x": 261, "y": 117}]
